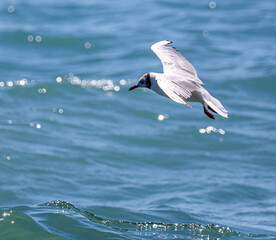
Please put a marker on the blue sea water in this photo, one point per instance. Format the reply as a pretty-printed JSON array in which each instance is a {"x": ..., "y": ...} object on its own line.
[{"x": 81, "y": 157}]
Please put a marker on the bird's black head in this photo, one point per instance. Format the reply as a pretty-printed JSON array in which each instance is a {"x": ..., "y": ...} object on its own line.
[{"x": 143, "y": 82}]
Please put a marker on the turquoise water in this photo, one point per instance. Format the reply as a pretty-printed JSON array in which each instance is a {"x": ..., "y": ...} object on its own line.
[{"x": 83, "y": 158}]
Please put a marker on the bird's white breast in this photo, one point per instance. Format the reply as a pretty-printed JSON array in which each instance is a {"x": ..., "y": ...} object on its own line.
[{"x": 154, "y": 85}]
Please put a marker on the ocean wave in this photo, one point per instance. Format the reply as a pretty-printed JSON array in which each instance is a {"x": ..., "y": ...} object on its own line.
[
  {"x": 208, "y": 231},
  {"x": 62, "y": 220}
]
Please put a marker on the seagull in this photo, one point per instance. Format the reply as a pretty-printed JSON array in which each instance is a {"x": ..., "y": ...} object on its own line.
[{"x": 179, "y": 81}]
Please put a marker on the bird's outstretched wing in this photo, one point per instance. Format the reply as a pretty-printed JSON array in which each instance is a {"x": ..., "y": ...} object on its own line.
[
  {"x": 175, "y": 88},
  {"x": 173, "y": 62}
]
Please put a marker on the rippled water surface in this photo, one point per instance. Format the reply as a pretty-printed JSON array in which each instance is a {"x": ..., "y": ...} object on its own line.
[{"x": 81, "y": 157}]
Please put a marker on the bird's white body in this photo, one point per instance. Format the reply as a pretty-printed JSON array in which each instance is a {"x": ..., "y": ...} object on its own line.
[
  {"x": 154, "y": 85},
  {"x": 196, "y": 95},
  {"x": 179, "y": 81}
]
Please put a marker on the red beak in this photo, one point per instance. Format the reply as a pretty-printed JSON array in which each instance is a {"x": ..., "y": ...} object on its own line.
[{"x": 133, "y": 87}]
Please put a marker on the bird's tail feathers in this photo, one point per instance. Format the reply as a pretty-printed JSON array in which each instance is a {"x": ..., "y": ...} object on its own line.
[{"x": 216, "y": 106}]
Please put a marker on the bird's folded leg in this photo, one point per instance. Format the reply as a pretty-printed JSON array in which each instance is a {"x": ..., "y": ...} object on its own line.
[
  {"x": 210, "y": 115},
  {"x": 211, "y": 109}
]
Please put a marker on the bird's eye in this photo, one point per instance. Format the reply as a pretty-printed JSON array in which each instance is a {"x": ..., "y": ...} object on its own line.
[{"x": 142, "y": 82}]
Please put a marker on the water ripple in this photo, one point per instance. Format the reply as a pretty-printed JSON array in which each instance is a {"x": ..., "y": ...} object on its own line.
[{"x": 208, "y": 231}]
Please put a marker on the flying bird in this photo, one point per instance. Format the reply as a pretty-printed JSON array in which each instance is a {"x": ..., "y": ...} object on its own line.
[{"x": 179, "y": 81}]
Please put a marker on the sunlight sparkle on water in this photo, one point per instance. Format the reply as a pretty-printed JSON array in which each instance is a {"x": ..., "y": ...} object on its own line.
[
  {"x": 210, "y": 129},
  {"x": 205, "y": 33},
  {"x": 123, "y": 82},
  {"x": 38, "y": 38},
  {"x": 5, "y": 215},
  {"x": 30, "y": 38},
  {"x": 20, "y": 82},
  {"x": 42, "y": 90},
  {"x": 11, "y": 9},
  {"x": 87, "y": 45},
  {"x": 9, "y": 83},
  {"x": 59, "y": 79},
  {"x": 212, "y": 4},
  {"x": 162, "y": 117},
  {"x": 106, "y": 85}
]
